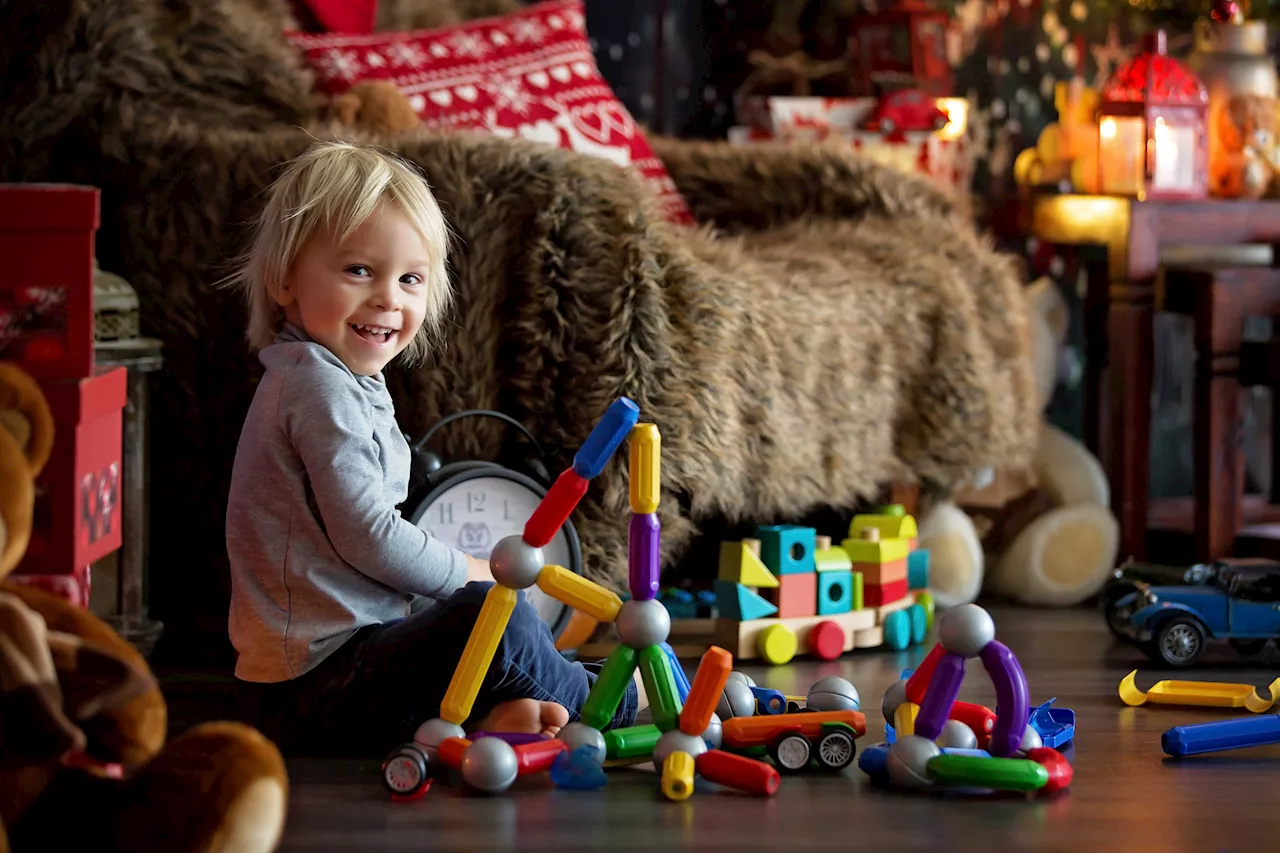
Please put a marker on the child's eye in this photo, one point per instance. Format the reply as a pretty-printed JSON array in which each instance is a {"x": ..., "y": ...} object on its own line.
[
  {"x": 411, "y": 278},
  {"x": 358, "y": 269}
]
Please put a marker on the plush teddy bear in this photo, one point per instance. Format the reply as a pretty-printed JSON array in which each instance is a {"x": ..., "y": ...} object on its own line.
[
  {"x": 84, "y": 762},
  {"x": 375, "y": 106},
  {"x": 1042, "y": 535}
]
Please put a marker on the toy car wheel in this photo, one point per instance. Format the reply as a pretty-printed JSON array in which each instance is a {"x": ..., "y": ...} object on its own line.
[
  {"x": 1117, "y": 616},
  {"x": 836, "y": 751},
  {"x": 940, "y": 122},
  {"x": 1248, "y": 647},
  {"x": 791, "y": 753},
  {"x": 888, "y": 125},
  {"x": 1179, "y": 642},
  {"x": 405, "y": 770}
]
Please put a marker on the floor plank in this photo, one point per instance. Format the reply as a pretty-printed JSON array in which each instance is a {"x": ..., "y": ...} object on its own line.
[{"x": 1125, "y": 793}]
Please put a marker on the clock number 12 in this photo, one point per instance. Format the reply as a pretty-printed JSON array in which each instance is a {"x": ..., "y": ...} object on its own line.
[{"x": 475, "y": 501}]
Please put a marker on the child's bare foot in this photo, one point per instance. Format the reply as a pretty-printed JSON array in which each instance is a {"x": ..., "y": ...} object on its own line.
[{"x": 526, "y": 716}]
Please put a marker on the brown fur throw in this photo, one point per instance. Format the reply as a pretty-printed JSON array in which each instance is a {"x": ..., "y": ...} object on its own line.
[{"x": 847, "y": 327}]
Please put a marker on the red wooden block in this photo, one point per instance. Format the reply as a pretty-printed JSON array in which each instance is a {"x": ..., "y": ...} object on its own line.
[
  {"x": 826, "y": 640},
  {"x": 874, "y": 595},
  {"x": 77, "y": 511},
  {"x": 46, "y": 291},
  {"x": 795, "y": 595}
]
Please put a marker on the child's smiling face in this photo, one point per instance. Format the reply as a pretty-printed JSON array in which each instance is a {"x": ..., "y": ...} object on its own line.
[{"x": 365, "y": 298}]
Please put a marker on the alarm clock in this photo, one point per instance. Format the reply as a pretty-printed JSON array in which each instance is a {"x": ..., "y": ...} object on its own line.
[{"x": 471, "y": 505}]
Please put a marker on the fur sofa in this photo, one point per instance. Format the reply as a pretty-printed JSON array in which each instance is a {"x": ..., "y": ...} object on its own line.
[{"x": 831, "y": 327}]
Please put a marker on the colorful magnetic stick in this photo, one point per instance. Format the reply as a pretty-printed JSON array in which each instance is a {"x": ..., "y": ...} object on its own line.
[
  {"x": 660, "y": 685},
  {"x": 682, "y": 679},
  {"x": 538, "y": 756},
  {"x": 618, "y": 421},
  {"x": 631, "y": 742},
  {"x": 579, "y": 593},
  {"x": 1055, "y": 764},
  {"x": 941, "y": 695},
  {"x": 646, "y": 468},
  {"x": 610, "y": 687},
  {"x": 999, "y": 774},
  {"x": 1011, "y": 696},
  {"x": 644, "y": 556},
  {"x": 677, "y": 776},
  {"x": 486, "y": 633},
  {"x": 704, "y": 693},
  {"x": 553, "y": 510},
  {"x": 1199, "y": 694},
  {"x": 1221, "y": 735},
  {"x": 738, "y": 772}
]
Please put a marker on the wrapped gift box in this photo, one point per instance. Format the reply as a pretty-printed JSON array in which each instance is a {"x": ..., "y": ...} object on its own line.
[
  {"x": 944, "y": 155},
  {"x": 46, "y": 289},
  {"x": 77, "y": 510}
]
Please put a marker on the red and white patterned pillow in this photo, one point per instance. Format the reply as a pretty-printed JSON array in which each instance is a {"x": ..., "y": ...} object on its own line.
[{"x": 530, "y": 74}]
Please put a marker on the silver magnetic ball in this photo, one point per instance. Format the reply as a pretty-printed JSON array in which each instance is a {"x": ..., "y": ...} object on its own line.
[
  {"x": 490, "y": 765},
  {"x": 578, "y": 735},
  {"x": 1030, "y": 740},
  {"x": 832, "y": 693},
  {"x": 642, "y": 624},
  {"x": 737, "y": 700},
  {"x": 908, "y": 758},
  {"x": 677, "y": 741},
  {"x": 956, "y": 735},
  {"x": 743, "y": 677},
  {"x": 966, "y": 630},
  {"x": 714, "y": 733},
  {"x": 893, "y": 697},
  {"x": 433, "y": 732},
  {"x": 515, "y": 563}
]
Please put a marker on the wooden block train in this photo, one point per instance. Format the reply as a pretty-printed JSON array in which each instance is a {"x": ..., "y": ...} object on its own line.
[{"x": 790, "y": 591}]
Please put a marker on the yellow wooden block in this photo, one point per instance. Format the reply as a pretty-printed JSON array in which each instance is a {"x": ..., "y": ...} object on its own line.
[
  {"x": 677, "y": 776},
  {"x": 478, "y": 654},
  {"x": 890, "y": 526},
  {"x": 777, "y": 644},
  {"x": 646, "y": 468},
  {"x": 831, "y": 559},
  {"x": 868, "y": 638},
  {"x": 870, "y": 551},
  {"x": 740, "y": 564},
  {"x": 579, "y": 593},
  {"x": 741, "y": 638},
  {"x": 904, "y": 719}
]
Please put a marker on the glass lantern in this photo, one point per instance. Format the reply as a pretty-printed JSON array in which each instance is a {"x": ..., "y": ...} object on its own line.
[{"x": 1152, "y": 120}]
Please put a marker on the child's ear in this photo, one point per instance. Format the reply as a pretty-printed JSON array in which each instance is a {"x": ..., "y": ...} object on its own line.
[{"x": 284, "y": 295}]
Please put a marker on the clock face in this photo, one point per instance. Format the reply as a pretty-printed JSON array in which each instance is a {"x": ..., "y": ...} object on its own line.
[{"x": 475, "y": 514}]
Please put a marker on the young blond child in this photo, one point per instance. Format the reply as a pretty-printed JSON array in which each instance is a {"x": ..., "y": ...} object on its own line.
[{"x": 347, "y": 619}]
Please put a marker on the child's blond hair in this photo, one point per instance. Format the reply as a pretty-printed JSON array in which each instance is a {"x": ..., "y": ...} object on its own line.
[{"x": 338, "y": 185}]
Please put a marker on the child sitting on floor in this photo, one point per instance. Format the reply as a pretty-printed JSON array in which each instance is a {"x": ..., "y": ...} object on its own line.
[{"x": 347, "y": 619}]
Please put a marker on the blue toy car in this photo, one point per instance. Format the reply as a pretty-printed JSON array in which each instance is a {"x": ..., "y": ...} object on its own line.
[{"x": 1237, "y": 600}]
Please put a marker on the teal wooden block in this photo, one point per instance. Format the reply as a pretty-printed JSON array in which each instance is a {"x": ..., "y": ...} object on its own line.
[
  {"x": 918, "y": 569},
  {"x": 737, "y": 602},
  {"x": 787, "y": 549},
  {"x": 835, "y": 592}
]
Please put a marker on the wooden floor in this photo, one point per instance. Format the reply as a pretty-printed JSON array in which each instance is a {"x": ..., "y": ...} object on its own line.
[{"x": 1126, "y": 794}]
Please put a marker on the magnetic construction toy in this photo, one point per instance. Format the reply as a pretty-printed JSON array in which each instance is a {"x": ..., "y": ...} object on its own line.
[
  {"x": 492, "y": 763},
  {"x": 938, "y": 738},
  {"x": 1199, "y": 694}
]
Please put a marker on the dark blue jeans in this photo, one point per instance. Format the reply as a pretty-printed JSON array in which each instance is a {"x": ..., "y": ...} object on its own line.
[{"x": 374, "y": 691}]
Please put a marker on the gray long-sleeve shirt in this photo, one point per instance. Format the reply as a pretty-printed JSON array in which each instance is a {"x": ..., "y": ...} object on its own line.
[{"x": 317, "y": 547}]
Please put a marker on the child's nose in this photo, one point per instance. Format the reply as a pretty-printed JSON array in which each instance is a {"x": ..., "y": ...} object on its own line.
[{"x": 387, "y": 296}]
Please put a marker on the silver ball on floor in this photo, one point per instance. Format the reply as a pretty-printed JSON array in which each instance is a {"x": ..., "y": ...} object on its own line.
[
  {"x": 490, "y": 765},
  {"x": 737, "y": 700},
  {"x": 832, "y": 693},
  {"x": 578, "y": 735},
  {"x": 677, "y": 741},
  {"x": 641, "y": 624},
  {"x": 1030, "y": 740},
  {"x": 966, "y": 630},
  {"x": 515, "y": 563},
  {"x": 714, "y": 733},
  {"x": 956, "y": 735},
  {"x": 893, "y": 697},
  {"x": 743, "y": 677},
  {"x": 432, "y": 733},
  {"x": 908, "y": 758}
]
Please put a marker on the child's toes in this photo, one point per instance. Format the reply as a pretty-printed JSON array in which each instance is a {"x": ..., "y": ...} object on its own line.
[{"x": 554, "y": 717}]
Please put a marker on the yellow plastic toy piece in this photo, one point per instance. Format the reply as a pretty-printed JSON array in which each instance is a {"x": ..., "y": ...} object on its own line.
[
  {"x": 677, "y": 776},
  {"x": 579, "y": 593},
  {"x": 740, "y": 564},
  {"x": 1200, "y": 694},
  {"x": 904, "y": 719},
  {"x": 646, "y": 468},
  {"x": 890, "y": 526},
  {"x": 776, "y": 644},
  {"x": 476, "y": 657}
]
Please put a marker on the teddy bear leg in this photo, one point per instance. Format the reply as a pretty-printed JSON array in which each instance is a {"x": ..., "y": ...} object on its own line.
[
  {"x": 217, "y": 788},
  {"x": 955, "y": 555},
  {"x": 1060, "y": 559}
]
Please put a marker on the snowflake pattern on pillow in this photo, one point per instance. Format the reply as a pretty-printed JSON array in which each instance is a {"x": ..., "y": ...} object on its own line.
[{"x": 529, "y": 74}]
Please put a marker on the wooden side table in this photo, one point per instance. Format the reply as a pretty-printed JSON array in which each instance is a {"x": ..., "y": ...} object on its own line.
[
  {"x": 1119, "y": 311},
  {"x": 140, "y": 356}
]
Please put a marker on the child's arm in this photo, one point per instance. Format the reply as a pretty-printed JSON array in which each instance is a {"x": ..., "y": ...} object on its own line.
[{"x": 330, "y": 422}]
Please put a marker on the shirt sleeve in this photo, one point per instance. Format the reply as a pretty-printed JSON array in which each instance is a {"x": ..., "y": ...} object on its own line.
[{"x": 330, "y": 423}]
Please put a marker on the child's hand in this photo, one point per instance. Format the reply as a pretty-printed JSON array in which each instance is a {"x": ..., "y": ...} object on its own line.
[{"x": 478, "y": 570}]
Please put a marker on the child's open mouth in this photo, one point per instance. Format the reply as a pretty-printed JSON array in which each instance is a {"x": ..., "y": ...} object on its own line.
[{"x": 377, "y": 334}]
